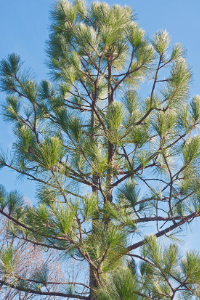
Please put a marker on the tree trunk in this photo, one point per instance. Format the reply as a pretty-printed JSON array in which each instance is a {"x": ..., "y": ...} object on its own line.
[
  {"x": 110, "y": 145},
  {"x": 95, "y": 178}
]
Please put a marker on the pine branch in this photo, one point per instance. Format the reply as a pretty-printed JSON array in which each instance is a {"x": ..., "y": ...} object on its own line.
[
  {"x": 165, "y": 231},
  {"x": 31, "y": 291}
]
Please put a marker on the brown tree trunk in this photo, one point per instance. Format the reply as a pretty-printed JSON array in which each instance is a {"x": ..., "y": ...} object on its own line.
[
  {"x": 110, "y": 145},
  {"x": 93, "y": 282}
]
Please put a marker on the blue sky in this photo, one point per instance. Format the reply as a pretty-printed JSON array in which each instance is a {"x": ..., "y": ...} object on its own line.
[{"x": 24, "y": 29}]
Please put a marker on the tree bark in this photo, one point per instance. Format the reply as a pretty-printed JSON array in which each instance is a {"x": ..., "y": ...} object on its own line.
[
  {"x": 93, "y": 283},
  {"x": 110, "y": 145}
]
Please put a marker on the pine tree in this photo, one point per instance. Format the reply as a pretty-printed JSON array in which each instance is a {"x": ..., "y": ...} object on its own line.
[{"x": 106, "y": 159}]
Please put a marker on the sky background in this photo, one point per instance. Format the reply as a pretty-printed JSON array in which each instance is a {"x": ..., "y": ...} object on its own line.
[{"x": 24, "y": 29}]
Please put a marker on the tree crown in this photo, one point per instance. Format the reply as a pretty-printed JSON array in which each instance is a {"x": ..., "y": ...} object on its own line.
[{"x": 106, "y": 158}]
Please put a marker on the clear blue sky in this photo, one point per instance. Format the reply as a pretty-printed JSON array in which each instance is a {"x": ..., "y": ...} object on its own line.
[{"x": 24, "y": 29}]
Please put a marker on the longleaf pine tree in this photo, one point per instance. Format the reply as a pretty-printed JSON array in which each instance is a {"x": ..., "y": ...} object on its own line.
[{"x": 112, "y": 144}]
